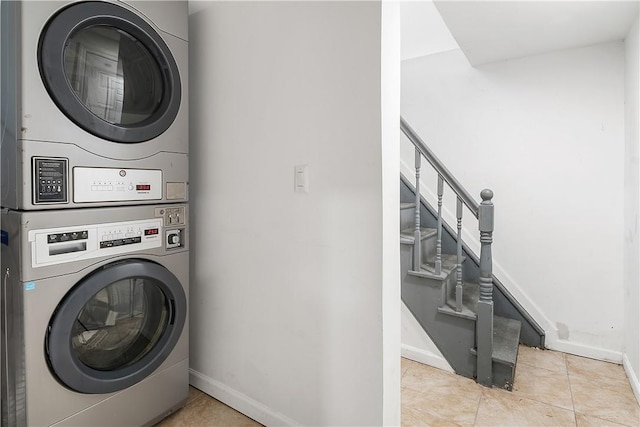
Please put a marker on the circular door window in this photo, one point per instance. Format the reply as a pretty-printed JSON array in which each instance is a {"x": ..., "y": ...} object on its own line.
[
  {"x": 116, "y": 327},
  {"x": 109, "y": 72}
]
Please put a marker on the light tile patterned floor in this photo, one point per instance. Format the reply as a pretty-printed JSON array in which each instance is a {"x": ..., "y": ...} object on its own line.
[
  {"x": 551, "y": 389},
  {"x": 203, "y": 410}
]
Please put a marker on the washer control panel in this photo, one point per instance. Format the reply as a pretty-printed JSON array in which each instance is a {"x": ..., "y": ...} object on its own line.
[
  {"x": 114, "y": 185},
  {"x": 49, "y": 180},
  {"x": 66, "y": 244}
]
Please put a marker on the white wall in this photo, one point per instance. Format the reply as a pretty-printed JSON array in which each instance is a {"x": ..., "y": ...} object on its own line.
[
  {"x": 423, "y": 30},
  {"x": 546, "y": 133},
  {"x": 632, "y": 211},
  {"x": 288, "y": 289}
]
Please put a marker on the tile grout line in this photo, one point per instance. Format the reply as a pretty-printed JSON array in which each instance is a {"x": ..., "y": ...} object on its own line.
[
  {"x": 558, "y": 372},
  {"x": 573, "y": 403},
  {"x": 475, "y": 420}
]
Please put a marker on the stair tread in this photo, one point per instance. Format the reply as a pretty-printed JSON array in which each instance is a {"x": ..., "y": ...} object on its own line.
[
  {"x": 506, "y": 338},
  {"x": 428, "y": 269},
  {"x": 407, "y": 205},
  {"x": 408, "y": 234},
  {"x": 449, "y": 262},
  {"x": 470, "y": 293}
]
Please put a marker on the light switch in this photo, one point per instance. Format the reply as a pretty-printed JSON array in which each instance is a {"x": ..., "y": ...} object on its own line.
[{"x": 301, "y": 178}]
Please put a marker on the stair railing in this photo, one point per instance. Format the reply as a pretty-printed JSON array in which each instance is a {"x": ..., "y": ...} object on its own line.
[{"x": 485, "y": 215}]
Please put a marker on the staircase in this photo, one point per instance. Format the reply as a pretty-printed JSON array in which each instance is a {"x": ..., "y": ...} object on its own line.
[{"x": 449, "y": 290}]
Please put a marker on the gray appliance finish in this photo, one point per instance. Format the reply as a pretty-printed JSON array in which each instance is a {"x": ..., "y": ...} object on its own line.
[
  {"x": 94, "y": 103},
  {"x": 94, "y": 322}
]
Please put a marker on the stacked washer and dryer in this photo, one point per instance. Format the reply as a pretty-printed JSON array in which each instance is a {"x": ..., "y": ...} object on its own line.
[{"x": 95, "y": 231}]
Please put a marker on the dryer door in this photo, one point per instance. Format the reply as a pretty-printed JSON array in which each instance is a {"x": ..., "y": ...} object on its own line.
[
  {"x": 109, "y": 72},
  {"x": 116, "y": 326}
]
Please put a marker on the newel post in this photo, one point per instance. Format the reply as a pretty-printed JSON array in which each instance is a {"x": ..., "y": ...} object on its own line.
[{"x": 484, "y": 324}]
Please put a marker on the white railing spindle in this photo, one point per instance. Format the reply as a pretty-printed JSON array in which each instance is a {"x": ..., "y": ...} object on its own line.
[
  {"x": 459, "y": 256},
  {"x": 417, "y": 241},
  {"x": 438, "y": 261}
]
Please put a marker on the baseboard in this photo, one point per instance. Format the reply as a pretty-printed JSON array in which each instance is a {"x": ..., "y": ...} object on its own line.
[
  {"x": 425, "y": 357},
  {"x": 583, "y": 350},
  {"x": 634, "y": 380},
  {"x": 239, "y": 401}
]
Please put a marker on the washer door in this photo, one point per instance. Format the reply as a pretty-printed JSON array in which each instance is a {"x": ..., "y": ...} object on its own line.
[
  {"x": 109, "y": 72},
  {"x": 116, "y": 327}
]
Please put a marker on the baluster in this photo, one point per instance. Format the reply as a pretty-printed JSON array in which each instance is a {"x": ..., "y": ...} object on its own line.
[
  {"x": 438, "y": 263},
  {"x": 484, "y": 323},
  {"x": 459, "y": 257},
  {"x": 417, "y": 241}
]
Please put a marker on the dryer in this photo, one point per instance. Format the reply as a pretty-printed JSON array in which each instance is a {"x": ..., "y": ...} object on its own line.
[
  {"x": 94, "y": 326},
  {"x": 94, "y": 109}
]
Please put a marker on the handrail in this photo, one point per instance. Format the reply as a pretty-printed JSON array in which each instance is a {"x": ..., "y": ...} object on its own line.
[{"x": 437, "y": 164}]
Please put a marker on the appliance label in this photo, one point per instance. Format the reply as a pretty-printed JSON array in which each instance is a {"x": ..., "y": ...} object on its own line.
[
  {"x": 50, "y": 180},
  {"x": 4, "y": 237}
]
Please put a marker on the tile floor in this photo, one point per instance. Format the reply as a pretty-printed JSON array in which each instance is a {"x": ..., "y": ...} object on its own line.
[
  {"x": 550, "y": 389},
  {"x": 203, "y": 410}
]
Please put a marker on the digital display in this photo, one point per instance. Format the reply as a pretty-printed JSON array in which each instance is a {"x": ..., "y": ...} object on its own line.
[
  {"x": 143, "y": 187},
  {"x": 151, "y": 231}
]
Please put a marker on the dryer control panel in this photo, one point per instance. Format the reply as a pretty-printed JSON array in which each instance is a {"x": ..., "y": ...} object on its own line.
[
  {"x": 66, "y": 244},
  {"x": 114, "y": 185}
]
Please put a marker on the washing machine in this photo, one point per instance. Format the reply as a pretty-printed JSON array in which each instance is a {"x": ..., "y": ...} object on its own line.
[
  {"x": 94, "y": 103},
  {"x": 94, "y": 327}
]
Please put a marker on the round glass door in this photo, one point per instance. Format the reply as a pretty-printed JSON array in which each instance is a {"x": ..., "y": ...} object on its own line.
[
  {"x": 116, "y": 326},
  {"x": 110, "y": 72}
]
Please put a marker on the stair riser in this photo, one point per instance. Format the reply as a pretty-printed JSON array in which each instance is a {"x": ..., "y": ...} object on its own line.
[
  {"x": 407, "y": 218},
  {"x": 451, "y": 285},
  {"x": 503, "y": 375},
  {"x": 427, "y": 248},
  {"x": 406, "y": 257}
]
